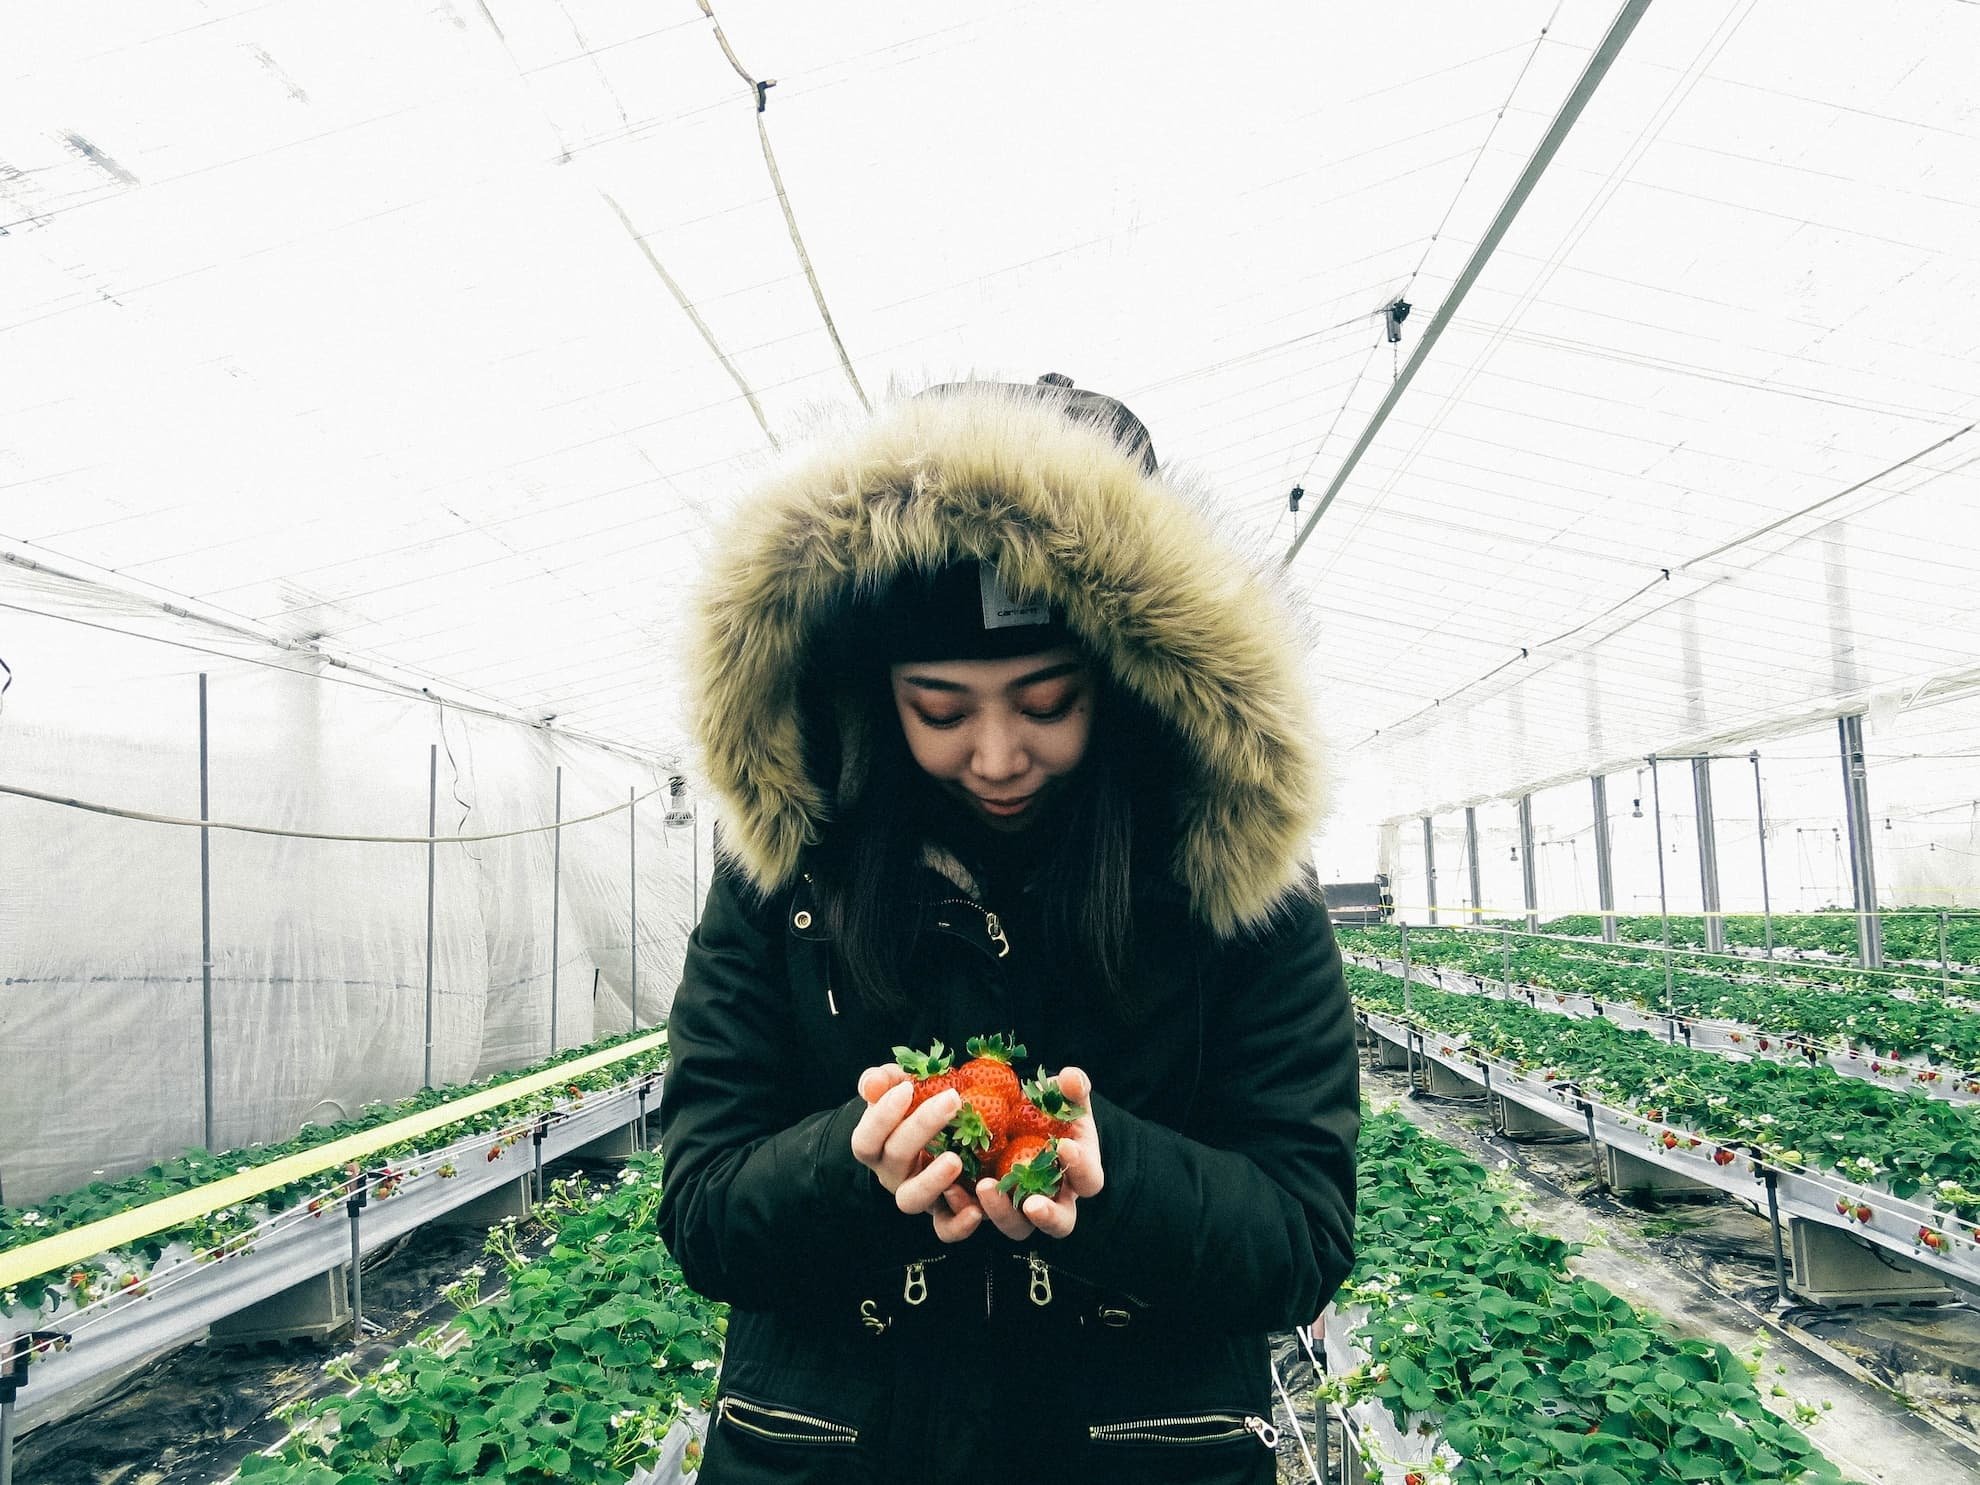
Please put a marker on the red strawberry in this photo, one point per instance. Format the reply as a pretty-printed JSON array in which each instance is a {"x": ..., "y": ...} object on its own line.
[
  {"x": 1723, "y": 1157},
  {"x": 1044, "y": 1110},
  {"x": 1029, "y": 1166},
  {"x": 1864, "y": 1214},
  {"x": 933, "y": 1071},
  {"x": 1670, "y": 1140},
  {"x": 987, "y": 1083}
]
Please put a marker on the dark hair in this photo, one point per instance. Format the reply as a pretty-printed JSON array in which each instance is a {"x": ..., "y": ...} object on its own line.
[{"x": 1113, "y": 817}]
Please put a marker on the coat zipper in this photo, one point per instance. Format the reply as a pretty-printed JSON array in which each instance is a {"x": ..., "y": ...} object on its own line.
[
  {"x": 915, "y": 1290},
  {"x": 810, "y": 1428},
  {"x": 993, "y": 926},
  {"x": 1187, "y": 1428}
]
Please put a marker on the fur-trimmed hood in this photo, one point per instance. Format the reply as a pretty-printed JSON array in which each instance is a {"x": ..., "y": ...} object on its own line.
[{"x": 999, "y": 474}]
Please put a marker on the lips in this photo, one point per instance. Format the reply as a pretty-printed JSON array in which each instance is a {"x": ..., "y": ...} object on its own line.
[{"x": 1005, "y": 806}]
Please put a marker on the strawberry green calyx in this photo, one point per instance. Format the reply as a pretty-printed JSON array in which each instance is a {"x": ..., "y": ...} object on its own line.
[
  {"x": 935, "y": 1061},
  {"x": 1050, "y": 1099},
  {"x": 1038, "y": 1176},
  {"x": 968, "y": 1131},
  {"x": 998, "y": 1048}
]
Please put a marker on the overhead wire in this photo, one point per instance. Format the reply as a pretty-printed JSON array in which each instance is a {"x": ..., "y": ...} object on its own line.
[{"x": 760, "y": 91}]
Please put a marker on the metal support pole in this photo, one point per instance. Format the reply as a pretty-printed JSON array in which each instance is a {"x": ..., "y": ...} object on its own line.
[
  {"x": 13, "y": 1372},
  {"x": 1760, "y": 822},
  {"x": 556, "y": 898},
  {"x": 536, "y": 1140},
  {"x": 1471, "y": 860},
  {"x": 1663, "y": 890},
  {"x": 1430, "y": 869},
  {"x": 205, "y": 933},
  {"x": 1945, "y": 960},
  {"x": 1708, "y": 855},
  {"x": 354, "y": 1204},
  {"x": 1780, "y": 1259},
  {"x": 632, "y": 831},
  {"x": 1403, "y": 929},
  {"x": 432, "y": 831},
  {"x": 1529, "y": 870},
  {"x": 1862, "y": 866},
  {"x": 1605, "y": 873}
]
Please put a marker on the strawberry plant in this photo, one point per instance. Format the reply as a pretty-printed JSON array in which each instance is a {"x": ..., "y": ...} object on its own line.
[
  {"x": 573, "y": 1373},
  {"x": 1796, "y": 1114},
  {"x": 1528, "y": 1372},
  {"x": 1925, "y": 1030},
  {"x": 221, "y": 1233}
]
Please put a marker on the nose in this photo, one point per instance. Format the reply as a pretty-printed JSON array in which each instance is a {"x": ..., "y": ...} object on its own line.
[{"x": 1000, "y": 754}]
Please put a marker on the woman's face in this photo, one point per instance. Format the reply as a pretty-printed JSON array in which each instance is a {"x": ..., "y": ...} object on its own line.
[{"x": 999, "y": 735}]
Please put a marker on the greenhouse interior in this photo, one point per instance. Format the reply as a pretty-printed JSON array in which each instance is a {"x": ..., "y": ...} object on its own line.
[{"x": 1485, "y": 501}]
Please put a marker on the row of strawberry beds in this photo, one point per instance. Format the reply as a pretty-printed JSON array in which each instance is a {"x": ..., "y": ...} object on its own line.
[
  {"x": 225, "y": 1231},
  {"x": 1909, "y": 934},
  {"x": 1470, "y": 1324},
  {"x": 1793, "y": 1115},
  {"x": 1874, "y": 1025},
  {"x": 573, "y": 1372}
]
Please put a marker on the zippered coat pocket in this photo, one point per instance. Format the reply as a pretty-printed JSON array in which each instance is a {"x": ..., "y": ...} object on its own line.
[
  {"x": 783, "y": 1425},
  {"x": 1186, "y": 1429}
]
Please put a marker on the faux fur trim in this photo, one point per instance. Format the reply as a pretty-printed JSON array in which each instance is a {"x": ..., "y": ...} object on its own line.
[{"x": 1181, "y": 620}]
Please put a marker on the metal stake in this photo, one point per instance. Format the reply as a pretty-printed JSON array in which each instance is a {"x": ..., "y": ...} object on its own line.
[
  {"x": 1605, "y": 874},
  {"x": 632, "y": 832},
  {"x": 1430, "y": 869},
  {"x": 1780, "y": 1259},
  {"x": 1663, "y": 891},
  {"x": 13, "y": 1372},
  {"x": 1708, "y": 855},
  {"x": 1471, "y": 862},
  {"x": 1760, "y": 818},
  {"x": 205, "y": 931},
  {"x": 354, "y": 1204},
  {"x": 536, "y": 1139},
  {"x": 1945, "y": 961},
  {"x": 1862, "y": 865},
  {"x": 432, "y": 831},
  {"x": 1529, "y": 868},
  {"x": 1403, "y": 929},
  {"x": 556, "y": 890}
]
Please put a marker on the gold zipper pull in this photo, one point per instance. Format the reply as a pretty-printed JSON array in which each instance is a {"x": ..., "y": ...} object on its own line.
[
  {"x": 1040, "y": 1290},
  {"x": 917, "y": 1283},
  {"x": 991, "y": 922}
]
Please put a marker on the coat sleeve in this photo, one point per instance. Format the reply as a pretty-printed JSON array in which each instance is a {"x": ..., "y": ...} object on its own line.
[
  {"x": 763, "y": 1204},
  {"x": 1248, "y": 1223}
]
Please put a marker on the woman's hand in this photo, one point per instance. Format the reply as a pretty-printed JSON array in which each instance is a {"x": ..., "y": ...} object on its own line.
[
  {"x": 892, "y": 1143},
  {"x": 1079, "y": 1158}
]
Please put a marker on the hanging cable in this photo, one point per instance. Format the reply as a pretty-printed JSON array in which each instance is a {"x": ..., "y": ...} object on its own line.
[
  {"x": 1564, "y": 121},
  {"x": 761, "y": 89},
  {"x": 694, "y": 317}
]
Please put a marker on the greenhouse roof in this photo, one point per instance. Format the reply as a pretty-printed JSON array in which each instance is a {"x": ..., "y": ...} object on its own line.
[{"x": 433, "y": 338}]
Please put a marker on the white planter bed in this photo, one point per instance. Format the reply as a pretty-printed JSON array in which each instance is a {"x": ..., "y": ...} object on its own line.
[{"x": 184, "y": 1296}]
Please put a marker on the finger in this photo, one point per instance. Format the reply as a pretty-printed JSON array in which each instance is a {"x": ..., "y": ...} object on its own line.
[
  {"x": 1003, "y": 1216},
  {"x": 869, "y": 1136},
  {"x": 960, "y": 1198},
  {"x": 918, "y": 1193},
  {"x": 876, "y": 1081},
  {"x": 1080, "y": 1160},
  {"x": 1076, "y": 1086},
  {"x": 1052, "y": 1216},
  {"x": 953, "y": 1227},
  {"x": 914, "y": 1132}
]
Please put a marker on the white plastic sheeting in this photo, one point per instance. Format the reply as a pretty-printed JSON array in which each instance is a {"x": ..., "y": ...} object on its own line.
[
  {"x": 319, "y": 987},
  {"x": 404, "y": 344}
]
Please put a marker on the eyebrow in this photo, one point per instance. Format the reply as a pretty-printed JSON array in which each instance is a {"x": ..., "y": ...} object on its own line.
[{"x": 1049, "y": 673}]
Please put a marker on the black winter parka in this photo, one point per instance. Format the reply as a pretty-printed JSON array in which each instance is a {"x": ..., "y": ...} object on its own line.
[{"x": 860, "y": 1348}]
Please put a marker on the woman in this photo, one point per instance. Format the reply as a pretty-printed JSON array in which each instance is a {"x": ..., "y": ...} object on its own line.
[{"x": 1004, "y": 743}]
